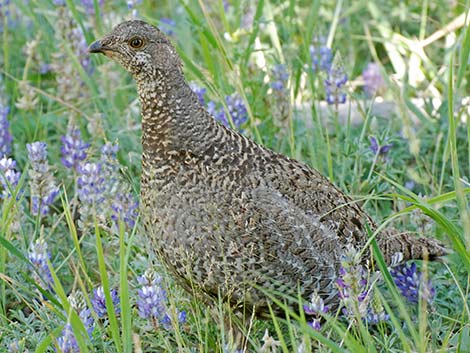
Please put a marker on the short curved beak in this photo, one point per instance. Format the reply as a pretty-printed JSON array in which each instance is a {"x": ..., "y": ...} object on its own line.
[{"x": 97, "y": 47}]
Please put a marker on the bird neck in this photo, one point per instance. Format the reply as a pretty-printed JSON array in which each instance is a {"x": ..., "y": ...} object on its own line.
[{"x": 173, "y": 120}]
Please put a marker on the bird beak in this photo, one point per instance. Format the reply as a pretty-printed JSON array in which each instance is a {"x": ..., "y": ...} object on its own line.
[{"x": 97, "y": 47}]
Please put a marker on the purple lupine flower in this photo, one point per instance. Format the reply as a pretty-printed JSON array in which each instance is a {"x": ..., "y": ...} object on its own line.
[
  {"x": 38, "y": 256},
  {"x": 410, "y": 184},
  {"x": 376, "y": 316},
  {"x": 236, "y": 108},
  {"x": 91, "y": 191},
  {"x": 279, "y": 77},
  {"x": 376, "y": 312},
  {"x": 90, "y": 6},
  {"x": 378, "y": 149},
  {"x": 91, "y": 184},
  {"x": 67, "y": 342},
  {"x": 334, "y": 83},
  {"x": 321, "y": 55},
  {"x": 167, "y": 26},
  {"x": 131, "y": 4},
  {"x": 315, "y": 309},
  {"x": 199, "y": 91},
  {"x": 4, "y": 13},
  {"x": 373, "y": 80},
  {"x": 411, "y": 284},
  {"x": 109, "y": 150},
  {"x": 151, "y": 302},
  {"x": 125, "y": 207},
  {"x": 5, "y": 136},
  {"x": 166, "y": 320},
  {"x": 87, "y": 319},
  {"x": 43, "y": 187},
  {"x": 80, "y": 45},
  {"x": 353, "y": 284},
  {"x": 9, "y": 177},
  {"x": 121, "y": 202},
  {"x": 74, "y": 149},
  {"x": 99, "y": 301}
]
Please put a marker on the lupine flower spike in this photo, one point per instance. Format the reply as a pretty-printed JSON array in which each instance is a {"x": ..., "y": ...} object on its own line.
[
  {"x": 411, "y": 284},
  {"x": 99, "y": 302},
  {"x": 335, "y": 83},
  {"x": 353, "y": 285},
  {"x": 74, "y": 149},
  {"x": 321, "y": 55},
  {"x": 5, "y": 136},
  {"x": 152, "y": 301},
  {"x": 9, "y": 177},
  {"x": 373, "y": 80},
  {"x": 43, "y": 187},
  {"x": 67, "y": 342},
  {"x": 39, "y": 255},
  {"x": 315, "y": 309}
]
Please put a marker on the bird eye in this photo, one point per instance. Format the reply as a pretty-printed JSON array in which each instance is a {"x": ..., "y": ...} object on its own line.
[{"x": 136, "y": 42}]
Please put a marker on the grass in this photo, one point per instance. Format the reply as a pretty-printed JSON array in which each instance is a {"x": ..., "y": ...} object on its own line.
[{"x": 421, "y": 184}]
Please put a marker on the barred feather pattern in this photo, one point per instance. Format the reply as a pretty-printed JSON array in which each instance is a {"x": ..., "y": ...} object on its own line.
[{"x": 227, "y": 216}]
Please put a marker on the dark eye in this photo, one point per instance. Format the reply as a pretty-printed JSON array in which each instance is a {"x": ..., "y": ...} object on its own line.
[{"x": 136, "y": 42}]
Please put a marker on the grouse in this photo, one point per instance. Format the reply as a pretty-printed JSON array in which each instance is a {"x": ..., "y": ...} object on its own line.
[{"x": 228, "y": 216}]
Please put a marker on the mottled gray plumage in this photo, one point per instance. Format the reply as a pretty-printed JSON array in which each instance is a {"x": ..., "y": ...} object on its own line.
[{"x": 227, "y": 215}]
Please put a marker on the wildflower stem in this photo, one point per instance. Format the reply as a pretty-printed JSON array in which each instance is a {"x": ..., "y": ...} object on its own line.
[
  {"x": 372, "y": 167},
  {"x": 104, "y": 280}
]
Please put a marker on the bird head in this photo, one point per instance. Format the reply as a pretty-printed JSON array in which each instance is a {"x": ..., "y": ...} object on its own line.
[{"x": 140, "y": 48}]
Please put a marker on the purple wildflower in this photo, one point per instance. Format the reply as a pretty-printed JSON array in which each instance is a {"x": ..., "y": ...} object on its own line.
[
  {"x": 125, "y": 207},
  {"x": 411, "y": 284},
  {"x": 109, "y": 150},
  {"x": 315, "y": 309},
  {"x": 38, "y": 256},
  {"x": 353, "y": 284},
  {"x": 410, "y": 185},
  {"x": 9, "y": 177},
  {"x": 151, "y": 301},
  {"x": 68, "y": 341},
  {"x": 166, "y": 320},
  {"x": 373, "y": 81},
  {"x": 376, "y": 316},
  {"x": 321, "y": 55},
  {"x": 376, "y": 312},
  {"x": 377, "y": 149},
  {"x": 131, "y": 4},
  {"x": 280, "y": 75},
  {"x": 89, "y": 6},
  {"x": 99, "y": 301},
  {"x": 199, "y": 91},
  {"x": 43, "y": 187},
  {"x": 4, "y": 13},
  {"x": 121, "y": 203},
  {"x": 5, "y": 136},
  {"x": 91, "y": 184},
  {"x": 236, "y": 108},
  {"x": 74, "y": 149},
  {"x": 334, "y": 83},
  {"x": 79, "y": 44},
  {"x": 167, "y": 26}
]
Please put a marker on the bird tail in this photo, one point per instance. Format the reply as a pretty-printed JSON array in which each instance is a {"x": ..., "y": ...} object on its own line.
[{"x": 392, "y": 243}]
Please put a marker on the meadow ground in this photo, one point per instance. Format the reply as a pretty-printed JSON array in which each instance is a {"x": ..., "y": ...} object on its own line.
[{"x": 374, "y": 94}]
